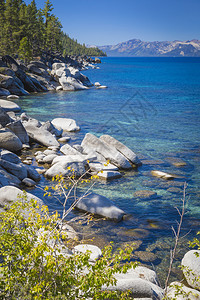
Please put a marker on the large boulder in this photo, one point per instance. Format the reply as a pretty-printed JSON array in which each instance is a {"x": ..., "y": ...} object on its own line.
[
  {"x": 40, "y": 135},
  {"x": 17, "y": 170},
  {"x": 6, "y": 81},
  {"x": 138, "y": 287},
  {"x": 100, "y": 205},
  {"x": 179, "y": 291},
  {"x": 69, "y": 150},
  {"x": 19, "y": 130},
  {"x": 10, "y": 156},
  {"x": 4, "y": 117},
  {"x": 138, "y": 272},
  {"x": 191, "y": 268},
  {"x": 76, "y": 168},
  {"x": 65, "y": 124},
  {"x": 32, "y": 173},
  {"x": 51, "y": 128},
  {"x": 4, "y": 92},
  {"x": 65, "y": 84},
  {"x": 95, "y": 252},
  {"x": 10, "y": 178},
  {"x": 9, "y": 105},
  {"x": 128, "y": 153},
  {"x": 9, "y": 194},
  {"x": 9, "y": 141},
  {"x": 76, "y": 83},
  {"x": 92, "y": 143}
]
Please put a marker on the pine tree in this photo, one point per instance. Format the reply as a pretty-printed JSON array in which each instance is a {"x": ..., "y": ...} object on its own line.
[
  {"x": 2, "y": 21},
  {"x": 11, "y": 26}
]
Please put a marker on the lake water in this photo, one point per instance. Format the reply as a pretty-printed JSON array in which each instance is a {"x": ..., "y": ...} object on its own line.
[{"x": 152, "y": 105}]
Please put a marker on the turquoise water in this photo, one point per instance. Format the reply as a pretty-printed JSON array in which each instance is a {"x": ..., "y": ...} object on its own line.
[{"x": 153, "y": 106}]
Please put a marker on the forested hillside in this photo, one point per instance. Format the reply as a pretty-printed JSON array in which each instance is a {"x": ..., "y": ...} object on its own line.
[{"x": 28, "y": 31}]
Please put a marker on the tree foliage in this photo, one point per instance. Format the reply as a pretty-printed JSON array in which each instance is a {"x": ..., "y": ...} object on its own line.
[{"x": 40, "y": 28}]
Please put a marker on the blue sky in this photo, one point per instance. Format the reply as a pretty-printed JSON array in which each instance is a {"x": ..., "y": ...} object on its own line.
[{"x": 107, "y": 22}]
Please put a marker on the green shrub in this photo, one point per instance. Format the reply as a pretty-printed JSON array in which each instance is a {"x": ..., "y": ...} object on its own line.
[{"x": 33, "y": 264}]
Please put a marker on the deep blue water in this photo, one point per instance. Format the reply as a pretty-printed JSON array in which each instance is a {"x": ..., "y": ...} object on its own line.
[{"x": 153, "y": 106}]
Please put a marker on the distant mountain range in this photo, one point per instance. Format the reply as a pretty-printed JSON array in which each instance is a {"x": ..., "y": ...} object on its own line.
[{"x": 137, "y": 47}]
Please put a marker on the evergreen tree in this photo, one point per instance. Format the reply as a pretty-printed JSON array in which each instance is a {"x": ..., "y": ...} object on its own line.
[
  {"x": 36, "y": 30},
  {"x": 2, "y": 21},
  {"x": 11, "y": 25}
]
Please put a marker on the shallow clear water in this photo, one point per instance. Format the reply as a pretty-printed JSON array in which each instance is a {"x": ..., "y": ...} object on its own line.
[{"x": 153, "y": 106}]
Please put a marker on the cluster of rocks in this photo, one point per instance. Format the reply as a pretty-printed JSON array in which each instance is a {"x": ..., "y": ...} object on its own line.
[
  {"x": 19, "y": 132},
  {"x": 47, "y": 73}
]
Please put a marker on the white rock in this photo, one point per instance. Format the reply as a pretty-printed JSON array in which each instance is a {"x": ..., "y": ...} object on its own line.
[
  {"x": 76, "y": 168},
  {"x": 102, "y": 87},
  {"x": 9, "y": 105},
  {"x": 28, "y": 182},
  {"x": 83, "y": 248},
  {"x": 10, "y": 194},
  {"x": 128, "y": 153},
  {"x": 77, "y": 84},
  {"x": 179, "y": 291},
  {"x": 92, "y": 143},
  {"x": 40, "y": 171},
  {"x": 109, "y": 175},
  {"x": 97, "y": 166},
  {"x": 139, "y": 272},
  {"x": 40, "y": 157},
  {"x": 100, "y": 205},
  {"x": 64, "y": 139},
  {"x": 65, "y": 84},
  {"x": 14, "y": 97},
  {"x": 41, "y": 136},
  {"x": 162, "y": 175},
  {"x": 69, "y": 150},
  {"x": 139, "y": 288},
  {"x": 59, "y": 88},
  {"x": 191, "y": 270},
  {"x": 49, "y": 158},
  {"x": 65, "y": 159},
  {"x": 65, "y": 124},
  {"x": 49, "y": 152}
]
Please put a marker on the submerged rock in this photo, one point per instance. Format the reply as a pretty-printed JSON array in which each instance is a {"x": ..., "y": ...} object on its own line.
[
  {"x": 162, "y": 175},
  {"x": 145, "y": 194},
  {"x": 100, "y": 205}
]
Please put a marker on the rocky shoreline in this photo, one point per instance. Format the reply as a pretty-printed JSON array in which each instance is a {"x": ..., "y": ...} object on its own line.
[
  {"x": 19, "y": 133},
  {"x": 45, "y": 73}
]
